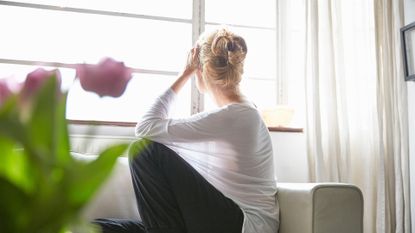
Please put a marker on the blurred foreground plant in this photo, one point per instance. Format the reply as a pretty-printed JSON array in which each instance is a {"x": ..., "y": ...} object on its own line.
[{"x": 42, "y": 187}]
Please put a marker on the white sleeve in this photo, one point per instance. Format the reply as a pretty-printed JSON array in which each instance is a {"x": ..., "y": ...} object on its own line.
[
  {"x": 155, "y": 124},
  {"x": 152, "y": 123}
]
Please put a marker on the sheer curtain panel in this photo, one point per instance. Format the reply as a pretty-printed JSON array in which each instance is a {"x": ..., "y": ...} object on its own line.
[{"x": 348, "y": 55}]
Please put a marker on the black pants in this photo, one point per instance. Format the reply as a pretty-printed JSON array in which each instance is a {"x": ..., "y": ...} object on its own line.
[{"x": 173, "y": 197}]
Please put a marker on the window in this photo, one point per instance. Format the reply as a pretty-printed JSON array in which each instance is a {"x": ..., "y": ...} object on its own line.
[
  {"x": 151, "y": 36},
  {"x": 256, "y": 24}
]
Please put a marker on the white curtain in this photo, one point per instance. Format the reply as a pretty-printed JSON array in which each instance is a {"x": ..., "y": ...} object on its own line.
[
  {"x": 392, "y": 125},
  {"x": 355, "y": 98}
]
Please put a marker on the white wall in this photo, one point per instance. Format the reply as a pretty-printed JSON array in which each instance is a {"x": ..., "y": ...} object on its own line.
[
  {"x": 290, "y": 156},
  {"x": 410, "y": 17}
]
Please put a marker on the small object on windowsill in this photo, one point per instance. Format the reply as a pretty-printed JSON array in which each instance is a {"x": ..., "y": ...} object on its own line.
[{"x": 278, "y": 118}]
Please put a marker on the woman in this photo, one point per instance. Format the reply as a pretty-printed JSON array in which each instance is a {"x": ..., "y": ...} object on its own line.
[{"x": 212, "y": 172}]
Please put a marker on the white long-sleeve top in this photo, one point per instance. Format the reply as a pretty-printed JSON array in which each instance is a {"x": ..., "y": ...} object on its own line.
[{"x": 230, "y": 147}]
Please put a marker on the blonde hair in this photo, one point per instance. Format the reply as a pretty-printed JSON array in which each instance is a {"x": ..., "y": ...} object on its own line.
[{"x": 221, "y": 56}]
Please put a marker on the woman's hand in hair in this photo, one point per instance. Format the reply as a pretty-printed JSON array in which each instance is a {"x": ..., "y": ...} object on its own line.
[{"x": 192, "y": 65}]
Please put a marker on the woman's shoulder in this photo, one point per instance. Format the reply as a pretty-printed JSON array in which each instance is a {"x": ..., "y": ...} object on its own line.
[
  {"x": 245, "y": 107},
  {"x": 241, "y": 111}
]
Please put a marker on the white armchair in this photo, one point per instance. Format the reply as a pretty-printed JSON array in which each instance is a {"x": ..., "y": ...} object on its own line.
[
  {"x": 320, "y": 208},
  {"x": 304, "y": 207}
]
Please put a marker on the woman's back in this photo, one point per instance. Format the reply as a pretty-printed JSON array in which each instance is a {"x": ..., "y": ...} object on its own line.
[{"x": 231, "y": 148}]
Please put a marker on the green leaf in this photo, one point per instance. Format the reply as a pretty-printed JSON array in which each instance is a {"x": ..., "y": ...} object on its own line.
[
  {"x": 9, "y": 107},
  {"x": 14, "y": 166},
  {"x": 13, "y": 204},
  {"x": 137, "y": 146},
  {"x": 10, "y": 125},
  {"x": 88, "y": 177},
  {"x": 42, "y": 120},
  {"x": 62, "y": 148},
  {"x": 81, "y": 225},
  {"x": 50, "y": 209}
]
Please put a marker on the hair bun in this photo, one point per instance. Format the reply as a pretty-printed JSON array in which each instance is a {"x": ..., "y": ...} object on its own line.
[
  {"x": 237, "y": 50},
  {"x": 222, "y": 55},
  {"x": 229, "y": 46},
  {"x": 220, "y": 44},
  {"x": 240, "y": 43},
  {"x": 220, "y": 61}
]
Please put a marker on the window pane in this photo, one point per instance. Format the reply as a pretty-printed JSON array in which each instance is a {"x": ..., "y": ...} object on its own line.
[
  {"x": 74, "y": 37},
  {"x": 138, "y": 97},
  {"x": 261, "y": 58},
  {"x": 166, "y": 8},
  {"x": 81, "y": 105},
  {"x": 252, "y": 13},
  {"x": 260, "y": 92}
]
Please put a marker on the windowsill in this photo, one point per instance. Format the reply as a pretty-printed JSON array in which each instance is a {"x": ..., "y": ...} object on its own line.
[
  {"x": 102, "y": 123},
  {"x": 132, "y": 124},
  {"x": 285, "y": 129}
]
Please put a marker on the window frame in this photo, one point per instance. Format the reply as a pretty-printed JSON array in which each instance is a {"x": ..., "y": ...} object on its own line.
[
  {"x": 195, "y": 99},
  {"x": 198, "y": 25}
]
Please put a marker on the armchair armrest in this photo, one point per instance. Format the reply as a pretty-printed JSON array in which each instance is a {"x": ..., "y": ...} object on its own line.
[{"x": 320, "y": 208}]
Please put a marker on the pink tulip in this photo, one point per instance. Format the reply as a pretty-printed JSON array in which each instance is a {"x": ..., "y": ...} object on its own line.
[
  {"x": 36, "y": 78},
  {"x": 5, "y": 91},
  {"x": 108, "y": 78}
]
